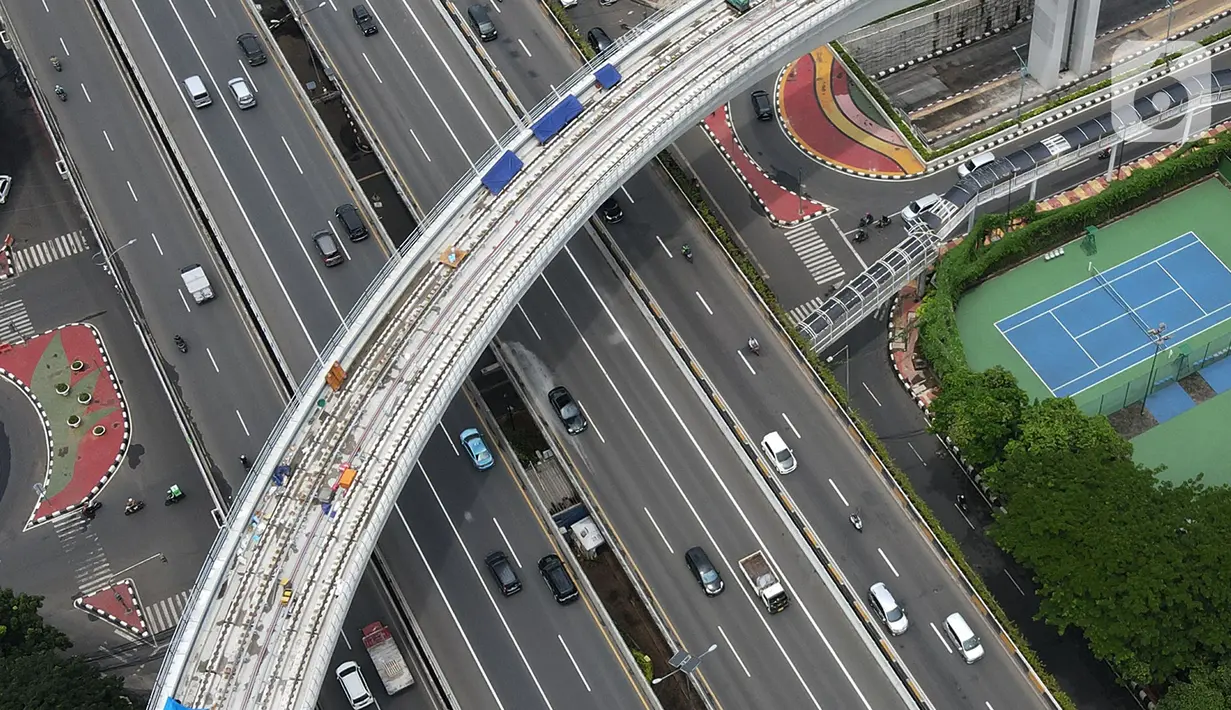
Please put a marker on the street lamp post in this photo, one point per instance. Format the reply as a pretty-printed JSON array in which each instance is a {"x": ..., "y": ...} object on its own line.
[
  {"x": 1021, "y": 96},
  {"x": 106, "y": 255},
  {"x": 275, "y": 24},
  {"x": 845, "y": 361},
  {"x": 686, "y": 662},
  {"x": 1159, "y": 337}
]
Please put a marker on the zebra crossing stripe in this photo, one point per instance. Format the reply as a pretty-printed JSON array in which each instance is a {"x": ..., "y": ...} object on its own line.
[
  {"x": 15, "y": 322},
  {"x": 51, "y": 250},
  {"x": 799, "y": 313},
  {"x": 165, "y": 614},
  {"x": 82, "y": 548},
  {"x": 814, "y": 253}
]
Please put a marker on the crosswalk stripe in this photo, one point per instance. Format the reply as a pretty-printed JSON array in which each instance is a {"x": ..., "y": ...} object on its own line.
[
  {"x": 46, "y": 252},
  {"x": 814, "y": 253},
  {"x": 165, "y": 614},
  {"x": 799, "y": 313},
  {"x": 91, "y": 568},
  {"x": 15, "y": 321}
]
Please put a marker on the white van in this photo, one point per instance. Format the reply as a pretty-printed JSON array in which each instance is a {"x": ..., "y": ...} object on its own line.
[
  {"x": 197, "y": 91},
  {"x": 967, "y": 643},
  {"x": 778, "y": 453},
  {"x": 975, "y": 163}
]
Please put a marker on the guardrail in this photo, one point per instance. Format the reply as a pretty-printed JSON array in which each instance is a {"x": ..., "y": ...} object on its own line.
[{"x": 512, "y": 236}]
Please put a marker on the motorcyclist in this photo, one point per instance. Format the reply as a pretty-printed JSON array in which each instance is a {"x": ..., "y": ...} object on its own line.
[
  {"x": 174, "y": 493},
  {"x": 754, "y": 346},
  {"x": 961, "y": 501},
  {"x": 60, "y": 91},
  {"x": 243, "y": 460},
  {"x": 686, "y": 251},
  {"x": 857, "y": 521},
  {"x": 55, "y": 62}
]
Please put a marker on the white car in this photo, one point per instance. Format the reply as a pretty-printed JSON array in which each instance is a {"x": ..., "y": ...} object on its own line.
[
  {"x": 6, "y": 183},
  {"x": 354, "y": 686},
  {"x": 778, "y": 453},
  {"x": 915, "y": 209},
  {"x": 568, "y": 3}
]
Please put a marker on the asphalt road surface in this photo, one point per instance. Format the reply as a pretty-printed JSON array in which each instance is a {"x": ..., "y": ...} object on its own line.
[
  {"x": 265, "y": 172},
  {"x": 521, "y": 651},
  {"x": 668, "y": 479},
  {"x": 232, "y": 397},
  {"x": 432, "y": 105}
]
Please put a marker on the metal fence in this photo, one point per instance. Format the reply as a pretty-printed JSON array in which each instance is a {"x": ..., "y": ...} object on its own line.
[{"x": 1174, "y": 363}]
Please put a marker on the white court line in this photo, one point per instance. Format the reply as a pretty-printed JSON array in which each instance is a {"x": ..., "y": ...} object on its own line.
[
  {"x": 1180, "y": 286},
  {"x": 1029, "y": 364},
  {"x": 1097, "y": 285},
  {"x": 1133, "y": 312},
  {"x": 1077, "y": 342}
]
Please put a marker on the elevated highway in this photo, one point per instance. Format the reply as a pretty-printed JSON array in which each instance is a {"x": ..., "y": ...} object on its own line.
[{"x": 420, "y": 325}]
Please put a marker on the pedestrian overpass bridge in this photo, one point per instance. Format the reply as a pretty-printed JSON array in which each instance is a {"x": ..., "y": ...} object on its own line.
[{"x": 244, "y": 641}]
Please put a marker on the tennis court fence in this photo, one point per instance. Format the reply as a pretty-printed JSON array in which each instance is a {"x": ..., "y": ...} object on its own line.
[{"x": 1175, "y": 363}]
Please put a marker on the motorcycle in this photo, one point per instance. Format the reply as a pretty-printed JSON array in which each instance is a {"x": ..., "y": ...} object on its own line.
[
  {"x": 866, "y": 220},
  {"x": 859, "y": 236},
  {"x": 961, "y": 504},
  {"x": 884, "y": 221},
  {"x": 174, "y": 495},
  {"x": 91, "y": 509},
  {"x": 754, "y": 346},
  {"x": 134, "y": 507},
  {"x": 243, "y": 461},
  {"x": 687, "y": 252},
  {"x": 181, "y": 344},
  {"x": 857, "y": 521},
  {"x": 55, "y": 63},
  {"x": 61, "y": 93}
]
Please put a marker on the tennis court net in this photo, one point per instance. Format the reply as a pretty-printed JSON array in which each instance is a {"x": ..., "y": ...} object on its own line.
[{"x": 1119, "y": 299}]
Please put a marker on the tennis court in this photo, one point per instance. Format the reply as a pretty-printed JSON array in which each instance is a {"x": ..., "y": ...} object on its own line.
[{"x": 1097, "y": 328}]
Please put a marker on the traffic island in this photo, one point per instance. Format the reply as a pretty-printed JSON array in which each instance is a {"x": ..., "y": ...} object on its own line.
[
  {"x": 66, "y": 375},
  {"x": 118, "y": 605}
]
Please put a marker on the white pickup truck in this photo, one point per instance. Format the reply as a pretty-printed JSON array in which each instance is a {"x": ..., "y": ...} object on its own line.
[
  {"x": 760, "y": 575},
  {"x": 197, "y": 283}
]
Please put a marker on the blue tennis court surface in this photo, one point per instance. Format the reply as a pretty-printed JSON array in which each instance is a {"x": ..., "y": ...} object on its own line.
[{"x": 1086, "y": 333}]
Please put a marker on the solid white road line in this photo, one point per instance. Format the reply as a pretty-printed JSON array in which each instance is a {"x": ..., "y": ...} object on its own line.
[
  {"x": 660, "y": 530},
  {"x": 734, "y": 652},
  {"x": 506, "y": 542},
  {"x": 575, "y": 666},
  {"x": 888, "y": 563},
  {"x": 839, "y": 492}
]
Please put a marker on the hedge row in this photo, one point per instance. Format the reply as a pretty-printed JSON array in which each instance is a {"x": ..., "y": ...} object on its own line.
[{"x": 972, "y": 261}]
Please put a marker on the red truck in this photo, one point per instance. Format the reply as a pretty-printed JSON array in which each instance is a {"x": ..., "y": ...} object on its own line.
[{"x": 387, "y": 657}]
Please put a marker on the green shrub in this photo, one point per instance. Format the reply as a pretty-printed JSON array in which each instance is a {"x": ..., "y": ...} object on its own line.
[{"x": 645, "y": 662}]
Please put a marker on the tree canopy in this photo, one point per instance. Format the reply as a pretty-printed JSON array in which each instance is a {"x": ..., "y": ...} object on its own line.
[
  {"x": 1204, "y": 690},
  {"x": 36, "y": 674},
  {"x": 980, "y": 412}
]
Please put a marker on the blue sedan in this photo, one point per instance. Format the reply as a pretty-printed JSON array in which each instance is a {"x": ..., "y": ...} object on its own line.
[{"x": 473, "y": 442}]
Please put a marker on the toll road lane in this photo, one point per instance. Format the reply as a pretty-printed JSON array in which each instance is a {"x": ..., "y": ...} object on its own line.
[
  {"x": 225, "y": 377},
  {"x": 661, "y": 452},
  {"x": 254, "y": 172},
  {"x": 522, "y": 651},
  {"x": 371, "y": 603},
  {"x": 770, "y": 392},
  {"x": 419, "y": 86},
  {"x": 530, "y": 51}
]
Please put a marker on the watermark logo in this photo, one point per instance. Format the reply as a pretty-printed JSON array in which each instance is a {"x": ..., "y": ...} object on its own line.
[{"x": 1186, "y": 113}]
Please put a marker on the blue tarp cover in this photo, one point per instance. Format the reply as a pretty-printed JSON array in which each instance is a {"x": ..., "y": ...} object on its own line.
[
  {"x": 557, "y": 118},
  {"x": 173, "y": 704},
  {"x": 608, "y": 76},
  {"x": 502, "y": 173}
]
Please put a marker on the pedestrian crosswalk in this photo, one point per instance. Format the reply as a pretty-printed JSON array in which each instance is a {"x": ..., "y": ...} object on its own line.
[
  {"x": 46, "y": 252},
  {"x": 83, "y": 550},
  {"x": 814, "y": 253},
  {"x": 799, "y": 313},
  {"x": 15, "y": 322},
  {"x": 165, "y": 614}
]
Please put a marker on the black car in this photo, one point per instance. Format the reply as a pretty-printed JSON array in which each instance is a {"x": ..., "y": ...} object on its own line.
[
  {"x": 704, "y": 571},
  {"x": 611, "y": 212},
  {"x": 568, "y": 410},
  {"x": 763, "y": 105},
  {"x": 505, "y": 575},
  {"x": 328, "y": 248},
  {"x": 352, "y": 223},
  {"x": 482, "y": 22},
  {"x": 558, "y": 579},
  {"x": 252, "y": 49},
  {"x": 599, "y": 41},
  {"x": 363, "y": 18}
]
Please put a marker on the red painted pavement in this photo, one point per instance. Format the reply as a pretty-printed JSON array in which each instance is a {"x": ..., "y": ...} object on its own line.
[
  {"x": 119, "y": 611},
  {"x": 808, "y": 121},
  {"x": 782, "y": 205}
]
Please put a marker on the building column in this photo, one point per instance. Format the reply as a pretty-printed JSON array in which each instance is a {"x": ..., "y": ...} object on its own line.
[{"x": 1062, "y": 39}]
